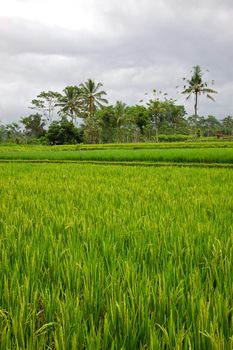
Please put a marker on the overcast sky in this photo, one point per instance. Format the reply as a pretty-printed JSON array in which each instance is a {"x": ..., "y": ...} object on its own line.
[{"x": 131, "y": 46}]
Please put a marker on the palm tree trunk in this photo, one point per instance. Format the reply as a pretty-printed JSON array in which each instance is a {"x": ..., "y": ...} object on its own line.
[
  {"x": 91, "y": 106},
  {"x": 156, "y": 128},
  {"x": 195, "y": 111},
  {"x": 156, "y": 134},
  {"x": 72, "y": 115}
]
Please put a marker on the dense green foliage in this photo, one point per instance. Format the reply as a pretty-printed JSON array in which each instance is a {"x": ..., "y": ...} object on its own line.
[
  {"x": 63, "y": 132},
  {"x": 86, "y": 110},
  {"x": 115, "y": 258},
  {"x": 111, "y": 124}
]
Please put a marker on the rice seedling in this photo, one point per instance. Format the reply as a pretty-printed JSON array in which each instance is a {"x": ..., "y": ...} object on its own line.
[{"x": 201, "y": 155}]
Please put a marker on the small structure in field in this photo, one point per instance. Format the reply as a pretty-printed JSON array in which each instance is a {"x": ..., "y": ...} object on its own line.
[{"x": 219, "y": 135}]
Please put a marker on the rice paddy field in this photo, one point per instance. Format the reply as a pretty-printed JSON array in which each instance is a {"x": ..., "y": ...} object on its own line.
[
  {"x": 195, "y": 155},
  {"x": 116, "y": 257},
  {"x": 137, "y": 145}
]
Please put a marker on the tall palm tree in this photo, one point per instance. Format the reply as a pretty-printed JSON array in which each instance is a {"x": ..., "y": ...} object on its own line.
[
  {"x": 93, "y": 96},
  {"x": 71, "y": 102},
  {"x": 196, "y": 86}
]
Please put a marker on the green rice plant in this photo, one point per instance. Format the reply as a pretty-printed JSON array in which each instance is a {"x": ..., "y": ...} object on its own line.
[
  {"x": 202, "y": 155},
  {"x": 137, "y": 145},
  {"x": 97, "y": 257}
]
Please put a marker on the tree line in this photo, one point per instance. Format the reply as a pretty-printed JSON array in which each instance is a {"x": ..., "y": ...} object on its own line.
[{"x": 82, "y": 114}]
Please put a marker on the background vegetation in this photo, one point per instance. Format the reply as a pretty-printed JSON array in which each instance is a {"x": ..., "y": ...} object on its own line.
[{"x": 81, "y": 114}]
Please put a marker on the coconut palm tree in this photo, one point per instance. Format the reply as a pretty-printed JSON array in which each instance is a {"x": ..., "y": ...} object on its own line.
[
  {"x": 196, "y": 86},
  {"x": 71, "y": 102},
  {"x": 93, "y": 96}
]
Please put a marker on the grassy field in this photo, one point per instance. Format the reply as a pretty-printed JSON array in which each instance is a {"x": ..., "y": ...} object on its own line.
[
  {"x": 186, "y": 155},
  {"x": 117, "y": 257}
]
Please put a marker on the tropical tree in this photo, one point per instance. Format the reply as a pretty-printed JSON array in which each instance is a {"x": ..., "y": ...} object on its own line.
[
  {"x": 13, "y": 133},
  {"x": 196, "y": 86},
  {"x": 92, "y": 96},
  {"x": 139, "y": 116},
  {"x": 92, "y": 130},
  {"x": 45, "y": 103},
  {"x": 120, "y": 115},
  {"x": 212, "y": 125},
  {"x": 159, "y": 110},
  {"x": 106, "y": 121},
  {"x": 228, "y": 125},
  {"x": 34, "y": 125},
  {"x": 3, "y": 133},
  {"x": 175, "y": 116},
  {"x": 63, "y": 132},
  {"x": 71, "y": 103}
]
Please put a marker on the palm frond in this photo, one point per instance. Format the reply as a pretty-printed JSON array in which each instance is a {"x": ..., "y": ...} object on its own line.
[
  {"x": 209, "y": 91},
  {"x": 210, "y": 97},
  {"x": 188, "y": 90}
]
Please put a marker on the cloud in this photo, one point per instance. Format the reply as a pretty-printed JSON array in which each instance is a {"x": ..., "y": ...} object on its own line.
[{"x": 131, "y": 48}]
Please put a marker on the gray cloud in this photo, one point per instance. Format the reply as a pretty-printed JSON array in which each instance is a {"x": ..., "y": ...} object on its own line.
[{"x": 132, "y": 50}]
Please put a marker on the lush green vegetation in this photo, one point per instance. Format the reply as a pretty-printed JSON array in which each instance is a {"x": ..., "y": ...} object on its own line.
[
  {"x": 81, "y": 114},
  {"x": 115, "y": 257},
  {"x": 136, "y": 126},
  {"x": 189, "y": 155}
]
